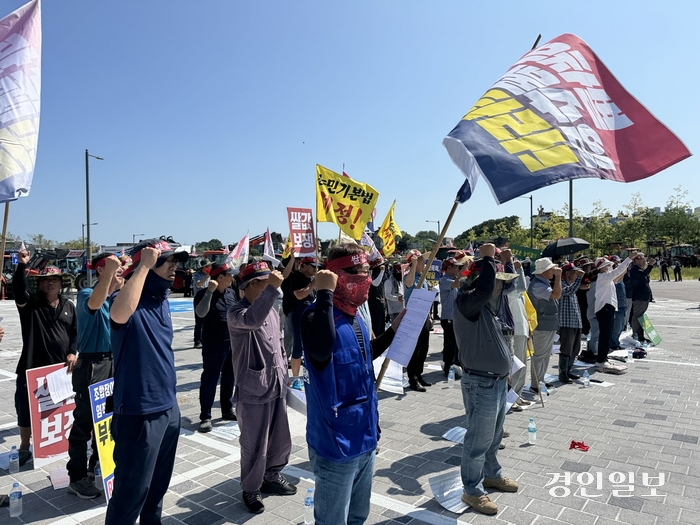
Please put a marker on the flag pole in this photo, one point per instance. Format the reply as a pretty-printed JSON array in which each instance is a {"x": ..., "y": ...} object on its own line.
[
  {"x": 438, "y": 242},
  {"x": 4, "y": 238},
  {"x": 424, "y": 273}
]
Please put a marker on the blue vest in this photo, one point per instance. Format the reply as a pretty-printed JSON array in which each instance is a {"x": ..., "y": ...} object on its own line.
[{"x": 342, "y": 409}]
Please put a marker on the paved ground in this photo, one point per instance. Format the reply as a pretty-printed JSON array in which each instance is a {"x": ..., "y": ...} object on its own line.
[{"x": 646, "y": 423}]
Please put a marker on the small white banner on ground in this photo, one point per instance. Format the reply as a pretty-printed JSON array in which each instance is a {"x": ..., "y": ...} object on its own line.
[
  {"x": 229, "y": 432},
  {"x": 455, "y": 434},
  {"x": 417, "y": 311},
  {"x": 447, "y": 489}
]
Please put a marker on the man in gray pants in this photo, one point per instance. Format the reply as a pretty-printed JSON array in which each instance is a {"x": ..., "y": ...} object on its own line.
[
  {"x": 544, "y": 298},
  {"x": 261, "y": 371}
]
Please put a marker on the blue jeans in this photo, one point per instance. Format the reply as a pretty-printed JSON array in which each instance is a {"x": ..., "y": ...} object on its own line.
[
  {"x": 595, "y": 333},
  {"x": 485, "y": 404},
  {"x": 343, "y": 490},
  {"x": 618, "y": 326}
]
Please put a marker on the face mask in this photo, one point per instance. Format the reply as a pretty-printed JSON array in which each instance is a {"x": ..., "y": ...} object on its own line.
[{"x": 351, "y": 291}]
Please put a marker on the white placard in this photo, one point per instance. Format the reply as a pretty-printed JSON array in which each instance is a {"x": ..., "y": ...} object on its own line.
[
  {"x": 393, "y": 377},
  {"x": 511, "y": 397},
  {"x": 60, "y": 385},
  {"x": 447, "y": 489},
  {"x": 296, "y": 400},
  {"x": 405, "y": 340},
  {"x": 517, "y": 365}
]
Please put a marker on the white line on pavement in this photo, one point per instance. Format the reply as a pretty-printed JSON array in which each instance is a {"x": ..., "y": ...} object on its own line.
[
  {"x": 5, "y": 373},
  {"x": 665, "y": 362}
]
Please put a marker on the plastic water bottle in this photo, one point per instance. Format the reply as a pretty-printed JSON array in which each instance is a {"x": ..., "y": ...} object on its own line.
[
  {"x": 309, "y": 507},
  {"x": 98, "y": 476},
  {"x": 630, "y": 355},
  {"x": 15, "y": 501},
  {"x": 14, "y": 460},
  {"x": 531, "y": 431},
  {"x": 586, "y": 379},
  {"x": 451, "y": 377},
  {"x": 543, "y": 389}
]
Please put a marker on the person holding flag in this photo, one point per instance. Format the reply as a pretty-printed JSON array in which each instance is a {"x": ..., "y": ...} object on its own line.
[{"x": 485, "y": 356}]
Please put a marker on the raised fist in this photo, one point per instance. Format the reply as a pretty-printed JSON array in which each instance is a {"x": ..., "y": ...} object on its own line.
[
  {"x": 213, "y": 284},
  {"x": 23, "y": 257},
  {"x": 149, "y": 257},
  {"x": 557, "y": 272},
  {"x": 112, "y": 264},
  {"x": 326, "y": 280},
  {"x": 275, "y": 279}
]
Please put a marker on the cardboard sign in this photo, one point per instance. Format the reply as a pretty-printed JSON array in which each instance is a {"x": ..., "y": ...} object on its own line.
[
  {"x": 649, "y": 330},
  {"x": 51, "y": 423},
  {"x": 99, "y": 392},
  {"x": 301, "y": 231}
]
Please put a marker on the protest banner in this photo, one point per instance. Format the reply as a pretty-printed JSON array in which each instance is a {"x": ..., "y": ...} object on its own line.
[
  {"x": 301, "y": 231},
  {"x": 404, "y": 342},
  {"x": 388, "y": 231},
  {"x": 344, "y": 201},
  {"x": 287, "y": 248},
  {"x": 99, "y": 392},
  {"x": 434, "y": 273},
  {"x": 649, "y": 330},
  {"x": 51, "y": 422}
]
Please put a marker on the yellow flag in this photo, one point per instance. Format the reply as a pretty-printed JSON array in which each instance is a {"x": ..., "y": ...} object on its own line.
[
  {"x": 531, "y": 315},
  {"x": 388, "y": 231},
  {"x": 287, "y": 248},
  {"x": 345, "y": 202}
]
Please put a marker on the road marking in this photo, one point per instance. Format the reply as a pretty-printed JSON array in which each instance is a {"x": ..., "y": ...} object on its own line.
[
  {"x": 665, "y": 362},
  {"x": 5, "y": 373}
]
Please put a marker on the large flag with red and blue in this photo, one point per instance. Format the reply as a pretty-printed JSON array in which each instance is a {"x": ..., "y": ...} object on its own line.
[{"x": 558, "y": 114}]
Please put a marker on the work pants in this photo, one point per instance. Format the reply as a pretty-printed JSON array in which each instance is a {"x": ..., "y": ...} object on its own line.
[{"x": 216, "y": 362}]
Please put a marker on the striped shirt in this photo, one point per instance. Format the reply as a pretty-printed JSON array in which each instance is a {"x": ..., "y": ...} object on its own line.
[
  {"x": 569, "y": 312},
  {"x": 448, "y": 295}
]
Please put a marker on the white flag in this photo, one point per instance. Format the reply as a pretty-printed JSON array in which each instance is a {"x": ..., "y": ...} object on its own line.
[
  {"x": 239, "y": 256},
  {"x": 269, "y": 251}
]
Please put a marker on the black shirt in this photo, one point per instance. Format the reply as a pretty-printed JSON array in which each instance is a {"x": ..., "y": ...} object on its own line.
[
  {"x": 295, "y": 281},
  {"x": 214, "y": 324},
  {"x": 48, "y": 333}
]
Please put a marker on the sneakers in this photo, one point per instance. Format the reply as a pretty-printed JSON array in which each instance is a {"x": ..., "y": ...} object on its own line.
[
  {"x": 481, "y": 504},
  {"x": 253, "y": 501},
  {"x": 229, "y": 416},
  {"x": 506, "y": 434},
  {"x": 24, "y": 456},
  {"x": 608, "y": 367},
  {"x": 523, "y": 402},
  {"x": 416, "y": 387},
  {"x": 503, "y": 484},
  {"x": 205, "y": 426},
  {"x": 84, "y": 489},
  {"x": 501, "y": 446},
  {"x": 281, "y": 487},
  {"x": 296, "y": 384}
]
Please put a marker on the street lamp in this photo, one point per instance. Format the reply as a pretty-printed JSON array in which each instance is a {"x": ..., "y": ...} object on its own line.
[
  {"x": 438, "y": 223},
  {"x": 83, "y": 237},
  {"x": 531, "y": 228},
  {"x": 87, "y": 207},
  {"x": 133, "y": 237}
]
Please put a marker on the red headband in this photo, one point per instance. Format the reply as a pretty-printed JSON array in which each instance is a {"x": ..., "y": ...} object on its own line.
[
  {"x": 218, "y": 271},
  {"x": 348, "y": 261}
]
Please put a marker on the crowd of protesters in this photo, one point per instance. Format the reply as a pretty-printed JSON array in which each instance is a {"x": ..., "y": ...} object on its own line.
[{"x": 336, "y": 317}]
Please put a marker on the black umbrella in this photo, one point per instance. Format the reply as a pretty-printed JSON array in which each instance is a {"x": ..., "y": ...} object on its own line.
[{"x": 565, "y": 247}]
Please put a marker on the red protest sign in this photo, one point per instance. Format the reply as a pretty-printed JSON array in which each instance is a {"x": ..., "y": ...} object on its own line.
[
  {"x": 51, "y": 423},
  {"x": 301, "y": 230}
]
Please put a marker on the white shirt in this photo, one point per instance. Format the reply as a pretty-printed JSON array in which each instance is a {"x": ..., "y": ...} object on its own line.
[{"x": 605, "y": 287}]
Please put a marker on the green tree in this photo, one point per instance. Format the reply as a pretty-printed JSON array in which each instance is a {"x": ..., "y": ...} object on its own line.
[
  {"x": 41, "y": 242},
  {"x": 675, "y": 222}
]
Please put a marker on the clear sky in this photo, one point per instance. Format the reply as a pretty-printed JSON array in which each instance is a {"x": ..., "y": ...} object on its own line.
[{"x": 211, "y": 115}]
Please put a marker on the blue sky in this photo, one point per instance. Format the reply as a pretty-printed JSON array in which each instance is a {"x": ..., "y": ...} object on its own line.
[{"x": 211, "y": 115}]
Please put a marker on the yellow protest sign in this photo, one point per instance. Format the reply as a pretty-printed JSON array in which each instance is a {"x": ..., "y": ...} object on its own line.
[
  {"x": 388, "y": 231},
  {"x": 287, "y": 248},
  {"x": 344, "y": 201}
]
